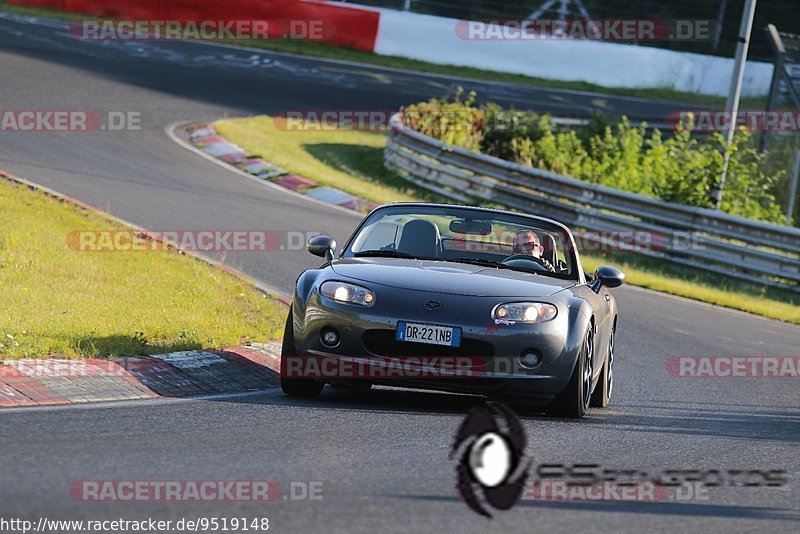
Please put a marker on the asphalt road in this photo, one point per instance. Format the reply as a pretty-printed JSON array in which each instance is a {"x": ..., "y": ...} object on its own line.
[{"x": 381, "y": 455}]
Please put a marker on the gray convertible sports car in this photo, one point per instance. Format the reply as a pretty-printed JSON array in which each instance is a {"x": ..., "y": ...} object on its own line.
[{"x": 455, "y": 298}]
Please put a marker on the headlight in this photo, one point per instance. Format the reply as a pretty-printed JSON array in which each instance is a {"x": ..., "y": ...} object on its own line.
[
  {"x": 524, "y": 312},
  {"x": 348, "y": 293}
]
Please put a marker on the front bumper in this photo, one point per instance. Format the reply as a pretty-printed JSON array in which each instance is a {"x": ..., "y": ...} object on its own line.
[{"x": 487, "y": 362}]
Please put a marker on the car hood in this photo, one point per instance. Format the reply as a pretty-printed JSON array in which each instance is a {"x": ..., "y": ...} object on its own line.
[{"x": 449, "y": 277}]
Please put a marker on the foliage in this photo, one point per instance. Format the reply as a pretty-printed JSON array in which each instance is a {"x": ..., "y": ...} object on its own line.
[
  {"x": 454, "y": 122},
  {"x": 678, "y": 167}
]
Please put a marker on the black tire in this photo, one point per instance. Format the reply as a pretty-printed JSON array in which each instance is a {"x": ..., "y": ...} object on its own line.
[
  {"x": 574, "y": 400},
  {"x": 605, "y": 384},
  {"x": 295, "y": 387}
]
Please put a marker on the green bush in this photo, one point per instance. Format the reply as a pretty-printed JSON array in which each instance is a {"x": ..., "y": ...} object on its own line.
[
  {"x": 748, "y": 189},
  {"x": 456, "y": 123},
  {"x": 679, "y": 168},
  {"x": 779, "y": 160},
  {"x": 505, "y": 129}
]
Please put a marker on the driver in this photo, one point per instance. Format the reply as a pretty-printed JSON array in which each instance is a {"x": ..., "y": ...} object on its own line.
[{"x": 527, "y": 242}]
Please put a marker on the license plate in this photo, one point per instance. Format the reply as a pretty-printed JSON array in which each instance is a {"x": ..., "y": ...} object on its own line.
[{"x": 429, "y": 333}]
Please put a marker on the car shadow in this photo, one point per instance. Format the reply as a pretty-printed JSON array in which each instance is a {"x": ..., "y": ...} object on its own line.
[
  {"x": 679, "y": 419},
  {"x": 377, "y": 399}
]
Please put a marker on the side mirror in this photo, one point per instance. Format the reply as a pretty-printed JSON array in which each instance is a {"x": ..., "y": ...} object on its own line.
[
  {"x": 607, "y": 276},
  {"x": 323, "y": 246}
]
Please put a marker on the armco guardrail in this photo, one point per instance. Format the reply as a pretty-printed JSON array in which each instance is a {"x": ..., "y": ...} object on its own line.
[{"x": 723, "y": 244}]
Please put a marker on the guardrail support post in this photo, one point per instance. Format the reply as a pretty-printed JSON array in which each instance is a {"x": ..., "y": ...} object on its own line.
[{"x": 793, "y": 189}]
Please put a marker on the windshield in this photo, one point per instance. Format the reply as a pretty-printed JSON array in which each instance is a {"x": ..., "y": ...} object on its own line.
[{"x": 463, "y": 235}]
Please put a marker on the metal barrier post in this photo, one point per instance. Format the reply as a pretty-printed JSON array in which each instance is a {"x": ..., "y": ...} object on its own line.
[{"x": 793, "y": 189}]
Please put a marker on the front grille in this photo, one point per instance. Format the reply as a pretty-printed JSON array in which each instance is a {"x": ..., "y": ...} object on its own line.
[{"x": 383, "y": 343}]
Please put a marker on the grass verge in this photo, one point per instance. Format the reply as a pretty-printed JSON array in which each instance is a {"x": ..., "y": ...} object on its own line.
[
  {"x": 315, "y": 49},
  {"x": 353, "y": 162},
  {"x": 698, "y": 285},
  {"x": 55, "y": 300},
  {"x": 43, "y": 12}
]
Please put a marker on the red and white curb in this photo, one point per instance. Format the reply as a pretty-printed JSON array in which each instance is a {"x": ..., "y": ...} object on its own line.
[
  {"x": 204, "y": 139},
  {"x": 32, "y": 382}
]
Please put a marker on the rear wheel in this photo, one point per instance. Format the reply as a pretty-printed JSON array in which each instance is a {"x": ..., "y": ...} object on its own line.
[
  {"x": 602, "y": 393},
  {"x": 574, "y": 400},
  {"x": 296, "y": 387}
]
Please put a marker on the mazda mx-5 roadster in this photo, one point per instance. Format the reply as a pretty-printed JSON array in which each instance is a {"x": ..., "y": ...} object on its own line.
[{"x": 459, "y": 299}]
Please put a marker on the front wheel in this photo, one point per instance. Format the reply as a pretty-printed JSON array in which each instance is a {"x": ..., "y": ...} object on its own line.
[
  {"x": 295, "y": 387},
  {"x": 574, "y": 400}
]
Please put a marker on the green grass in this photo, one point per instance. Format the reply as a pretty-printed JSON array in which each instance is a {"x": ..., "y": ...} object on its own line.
[
  {"x": 316, "y": 49},
  {"x": 684, "y": 282},
  {"x": 42, "y": 12},
  {"x": 58, "y": 301},
  {"x": 353, "y": 161}
]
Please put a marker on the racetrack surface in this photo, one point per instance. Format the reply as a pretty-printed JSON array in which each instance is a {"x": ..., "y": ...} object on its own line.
[{"x": 381, "y": 455}]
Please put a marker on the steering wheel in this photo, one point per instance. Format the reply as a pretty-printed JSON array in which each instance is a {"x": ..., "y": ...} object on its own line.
[{"x": 531, "y": 261}]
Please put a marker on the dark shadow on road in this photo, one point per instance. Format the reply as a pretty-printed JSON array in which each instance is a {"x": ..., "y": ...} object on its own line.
[
  {"x": 378, "y": 399},
  {"x": 766, "y": 426},
  {"x": 686, "y": 509},
  {"x": 683, "y": 420}
]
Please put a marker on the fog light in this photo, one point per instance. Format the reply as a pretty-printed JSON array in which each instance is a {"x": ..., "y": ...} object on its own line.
[
  {"x": 330, "y": 337},
  {"x": 529, "y": 359}
]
